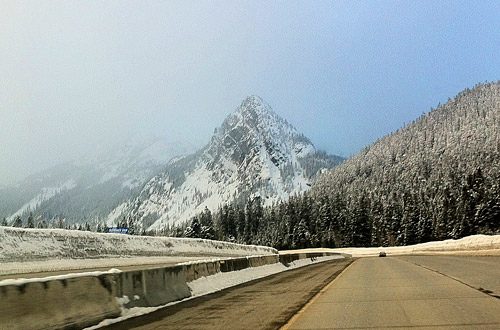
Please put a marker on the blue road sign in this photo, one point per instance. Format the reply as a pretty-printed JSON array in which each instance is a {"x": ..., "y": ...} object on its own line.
[{"x": 118, "y": 230}]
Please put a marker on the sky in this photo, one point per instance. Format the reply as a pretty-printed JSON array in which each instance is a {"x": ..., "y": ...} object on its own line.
[{"x": 79, "y": 74}]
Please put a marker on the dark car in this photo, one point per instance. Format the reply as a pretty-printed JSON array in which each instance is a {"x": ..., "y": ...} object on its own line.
[{"x": 382, "y": 254}]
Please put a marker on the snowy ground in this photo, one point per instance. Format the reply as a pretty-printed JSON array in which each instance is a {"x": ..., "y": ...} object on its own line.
[
  {"x": 471, "y": 245},
  {"x": 51, "y": 250},
  {"x": 214, "y": 283},
  {"x": 37, "y": 267}
]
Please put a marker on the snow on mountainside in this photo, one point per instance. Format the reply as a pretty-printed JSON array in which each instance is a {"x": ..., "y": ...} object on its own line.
[
  {"x": 46, "y": 193},
  {"x": 254, "y": 153},
  {"x": 88, "y": 189}
]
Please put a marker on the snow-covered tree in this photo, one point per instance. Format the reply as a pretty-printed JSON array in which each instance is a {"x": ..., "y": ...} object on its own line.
[
  {"x": 30, "y": 221},
  {"x": 18, "y": 222}
]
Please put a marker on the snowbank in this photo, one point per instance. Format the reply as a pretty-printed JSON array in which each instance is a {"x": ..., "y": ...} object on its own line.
[
  {"x": 470, "y": 245},
  {"x": 20, "y": 245},
  {"x": 63, "y": 265}
]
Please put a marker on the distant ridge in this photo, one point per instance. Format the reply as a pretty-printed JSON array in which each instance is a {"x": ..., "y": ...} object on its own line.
[{"x": 87, "y": 189}]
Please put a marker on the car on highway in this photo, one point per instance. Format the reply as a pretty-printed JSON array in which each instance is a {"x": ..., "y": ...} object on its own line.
[{"x": 382, "y": 254}]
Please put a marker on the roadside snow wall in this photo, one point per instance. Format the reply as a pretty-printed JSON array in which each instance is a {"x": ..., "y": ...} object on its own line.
[
  {"x": 470, "y": 245},
  {"x": 21, "y": 244},
  {"x": 79, "y": 300}
]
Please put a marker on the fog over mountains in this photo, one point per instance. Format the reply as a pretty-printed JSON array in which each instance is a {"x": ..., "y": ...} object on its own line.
[
  {"x": 253, "y": 153},
  {"x": 88, "y": 189}
]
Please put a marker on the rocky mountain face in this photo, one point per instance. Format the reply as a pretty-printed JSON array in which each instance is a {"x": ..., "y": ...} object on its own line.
[
  {"x": 88, "y": 189},
  {"x": 253, "y": 153}
]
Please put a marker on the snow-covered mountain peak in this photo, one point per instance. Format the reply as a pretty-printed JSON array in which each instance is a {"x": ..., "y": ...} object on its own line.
[
  {"x": 256, "y": 115},
  {"x": 254, "y": 105},
  {"x": 254, "y": 128},
  {"x": 253, "y": 153}
]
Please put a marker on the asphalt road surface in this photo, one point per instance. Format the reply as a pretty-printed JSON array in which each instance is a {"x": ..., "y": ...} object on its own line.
[
  {"x": 479, "y": 272},
  {"x": 396, "y": 293},
  {"x": 262, "y": 304}
]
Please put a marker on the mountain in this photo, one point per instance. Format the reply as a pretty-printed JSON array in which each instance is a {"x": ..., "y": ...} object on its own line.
[
  {"x": 434, "y": 179},
  {"x": 254, "y": 153},
  {"x": 88, "y": 189}
]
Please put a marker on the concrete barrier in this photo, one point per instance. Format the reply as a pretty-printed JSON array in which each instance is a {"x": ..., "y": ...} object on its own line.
[
  {"x": 152, "y": 287},
  {"x": 67, "y": 303},
  {"x": 80, "y": 301},
  {"x": 158, "y": 286},
  {"x": 196, "y": 270},
  {"x": 263, "y": 260},
  {"x": 288, "y": 258}
]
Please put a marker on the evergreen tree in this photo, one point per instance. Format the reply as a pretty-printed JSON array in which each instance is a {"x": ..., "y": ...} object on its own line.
[
  {"x": 60, "y": 223},
  {"x": 130, "y": 224},
  {"x": 194, "y": 229},
  {"x": 31, "y": 221},
  {"x": 42, "y": 224},
  {"x": 239, "y": 216},
  {"x": 18, "y": 222},
  {"x": 206, "y": 224}
]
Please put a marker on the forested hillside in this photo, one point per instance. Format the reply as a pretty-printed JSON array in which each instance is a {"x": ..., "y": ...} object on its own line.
[{"x": 436, "y": 178}]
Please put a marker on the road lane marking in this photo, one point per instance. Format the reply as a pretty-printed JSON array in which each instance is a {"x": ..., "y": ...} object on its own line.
[
  {"x": 482, "y": 290},
  {"x": 310, "y": 302}
]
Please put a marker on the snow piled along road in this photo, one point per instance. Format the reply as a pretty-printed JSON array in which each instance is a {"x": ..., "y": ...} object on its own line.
[
  {"x": 470, "y": 245},
  {"x": 42, "y": 250}
]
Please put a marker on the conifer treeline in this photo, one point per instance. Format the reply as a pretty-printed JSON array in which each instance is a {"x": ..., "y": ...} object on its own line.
[{"x": 437, "y": 178}]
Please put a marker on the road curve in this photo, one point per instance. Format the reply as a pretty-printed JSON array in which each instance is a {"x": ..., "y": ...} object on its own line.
[{"x": 391, "y": 293}]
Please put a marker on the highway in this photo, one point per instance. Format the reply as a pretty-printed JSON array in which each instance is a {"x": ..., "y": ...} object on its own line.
[
  {"x": 406, "y": 292},
  {"x": 261, "y": 304}
]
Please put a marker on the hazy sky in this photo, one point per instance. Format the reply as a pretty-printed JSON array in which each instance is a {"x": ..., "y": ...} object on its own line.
[{"x": 74, "y": 74}]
